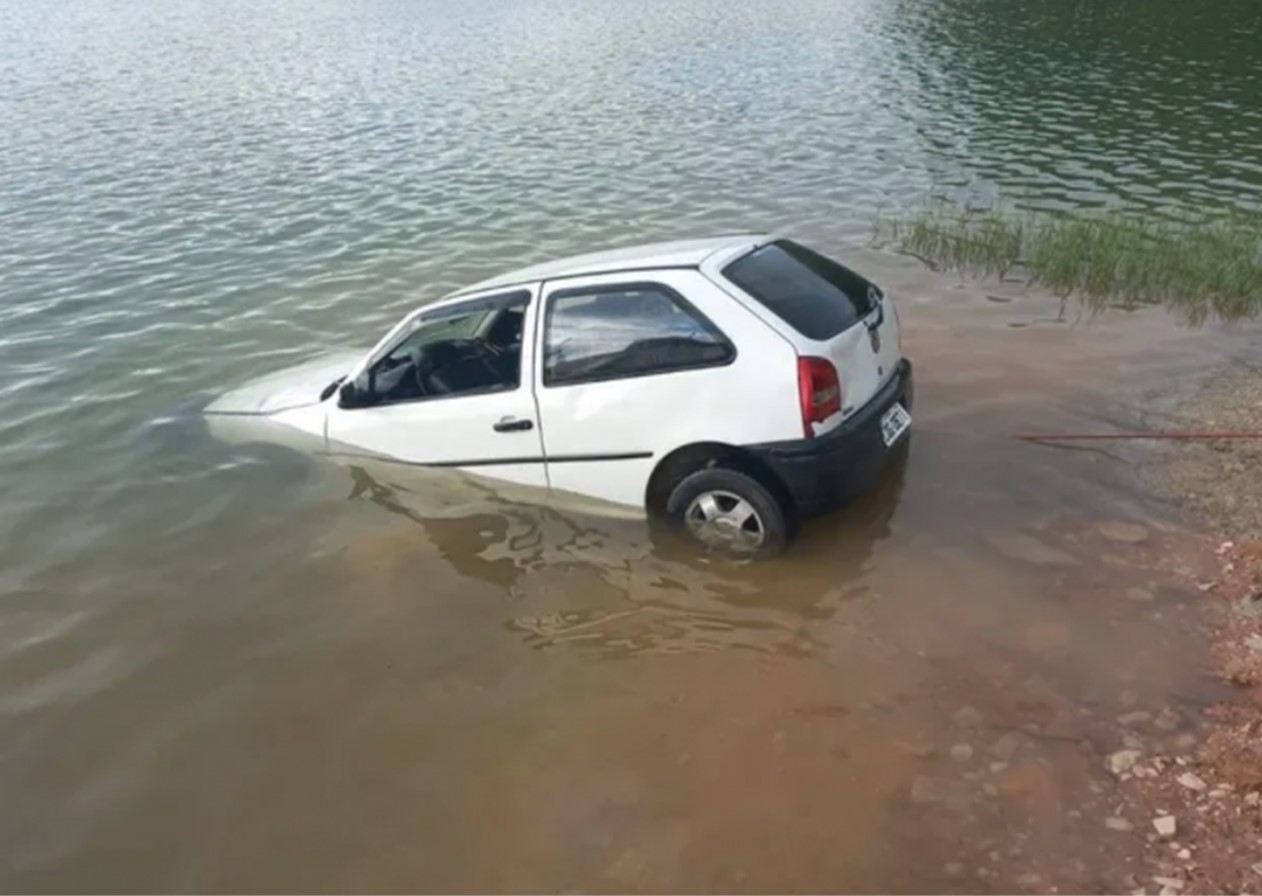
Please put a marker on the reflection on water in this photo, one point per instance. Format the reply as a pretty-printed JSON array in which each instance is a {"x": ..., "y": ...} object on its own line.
[{"x": 622, "y": 588}]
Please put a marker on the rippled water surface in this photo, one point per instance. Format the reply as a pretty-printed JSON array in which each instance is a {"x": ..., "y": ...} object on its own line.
[{"x": 216, "y": 670}]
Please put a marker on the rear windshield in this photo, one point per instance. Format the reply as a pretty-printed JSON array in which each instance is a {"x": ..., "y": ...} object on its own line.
[{"x": 815, "y": 296}]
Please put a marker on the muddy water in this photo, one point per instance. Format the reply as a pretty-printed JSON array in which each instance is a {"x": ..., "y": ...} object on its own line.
[{"x": 500, "y": 697}]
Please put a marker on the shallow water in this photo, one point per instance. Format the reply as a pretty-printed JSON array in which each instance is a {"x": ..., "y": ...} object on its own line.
[{"x": 238, "y": 668}]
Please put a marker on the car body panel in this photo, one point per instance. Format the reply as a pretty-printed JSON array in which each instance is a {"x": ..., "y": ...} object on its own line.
[
  {"x": 595, "y": 442},
  {"x": 452, "y": 431},
  {"x": 605, "y": 438}
]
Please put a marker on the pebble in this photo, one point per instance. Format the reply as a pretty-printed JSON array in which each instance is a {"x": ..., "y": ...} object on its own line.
[
  {"x": 1028, "y": 549},
  {"x": 1127, "y": 533},
  {"x": 953, "y": 869},
  {"x": 1005, "y": 747},
  {"x": 962, "y": 752},
  {"x": 1252, "y": 798},
  {"x": 1122, "y": 760},
  {"x": 1046, "y": 637},
  {"x": 1168, "y": 882},
  {"x": 1118, "y": 824},
  {"x": 1254, "y": 642},
  {"x": 1131, "y": 742},
  {"x": 919, "y": 749},
  {"x": 1137, "y": 717},
  {"x": 1191, "y": 781},
  {"x": 925, "y": 790},
  {"x": 1165, "y": 825},
  {"x": 1029, "y": 880},
  {"x": 1139, "y": 594},
  {"x": 967, "y": 717},
  {"x": 1167, "y": 719},
  {"x": 1184, "y": 854},
  {"x": 1185, "y": 741},
  {"x": 997, "y": 767}
]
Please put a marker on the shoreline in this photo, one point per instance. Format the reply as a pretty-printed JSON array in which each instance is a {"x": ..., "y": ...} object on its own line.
[{"x": 1214, "y": 792}]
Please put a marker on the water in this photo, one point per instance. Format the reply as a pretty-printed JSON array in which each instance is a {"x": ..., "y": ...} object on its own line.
[{"x": 216, "y": 670}]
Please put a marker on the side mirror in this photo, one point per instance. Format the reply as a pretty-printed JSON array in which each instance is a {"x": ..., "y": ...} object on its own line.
[{"x": 348, "y": 396}]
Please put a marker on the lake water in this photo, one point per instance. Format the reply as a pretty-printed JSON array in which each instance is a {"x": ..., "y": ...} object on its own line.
[{"x": 216, "y": 670}]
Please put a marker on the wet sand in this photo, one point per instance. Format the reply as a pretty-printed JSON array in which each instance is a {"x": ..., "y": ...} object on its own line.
[{"x": 920, "y": 696}]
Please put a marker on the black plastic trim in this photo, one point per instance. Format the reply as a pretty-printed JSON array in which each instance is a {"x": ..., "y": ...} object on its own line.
[
  {"x": 500, "y": 461},
  {"x": 824, "y": 472}
]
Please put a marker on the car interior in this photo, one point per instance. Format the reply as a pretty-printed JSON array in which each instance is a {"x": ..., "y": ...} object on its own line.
[{"x": 440, "y": 360}]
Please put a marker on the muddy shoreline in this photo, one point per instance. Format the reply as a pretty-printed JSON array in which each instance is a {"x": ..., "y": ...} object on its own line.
[{"x": 1204, "y": 803}]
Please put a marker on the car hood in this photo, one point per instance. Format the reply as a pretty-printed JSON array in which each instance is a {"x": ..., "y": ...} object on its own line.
[{"x": 293, "y": 387}]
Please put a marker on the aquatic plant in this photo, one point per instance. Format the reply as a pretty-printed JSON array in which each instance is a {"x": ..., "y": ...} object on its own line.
[{"x": 1199, "y": 269}]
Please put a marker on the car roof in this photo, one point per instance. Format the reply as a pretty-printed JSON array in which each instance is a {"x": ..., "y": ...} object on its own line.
[{"x": 646, "y": 257}]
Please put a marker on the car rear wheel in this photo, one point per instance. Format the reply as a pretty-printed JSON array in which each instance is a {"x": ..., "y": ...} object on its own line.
[{"x": 729, "y": 511}]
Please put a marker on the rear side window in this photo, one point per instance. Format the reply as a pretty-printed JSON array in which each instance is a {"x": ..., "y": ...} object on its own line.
[
  {"x": 814, "y": 295},
  {"x": 633, "y": 330}
]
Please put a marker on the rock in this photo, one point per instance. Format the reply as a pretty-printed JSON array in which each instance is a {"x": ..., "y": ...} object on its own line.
[
  {"x": 1165, "y": 826},
  {"x": 1185, "y": 741},
  {"x": 1168, "y": 882},
  {"x": 990, "y": 790},
  {"x": 1168, "y": 719},
  {"x": 962, "y": 752},
  {"x": 967, "y": 717},
  {"x": 1005, "y": 747},
  {"x": 1029, "y": 880},
  {"x": 1122, "y": 761},
  {"x": 1028, "y": 549},
  {"x": 920, "y": 749},
  {"x": 1127, "y": 533},
  {"x": 1118, "y": 824},
  {"x": 924, "y": 790},
  {"x": 1252, "y": 798},
  {"x": 1139, "y": 594},
  {"x": 1254, "y": 642},
  {"x": 997, "y": 767},
  {"x": 1184, "y": 854},
  {"x": 1131, "y": 742},
  {"x": 1256, "y": 868},
  {"x": 1138, "y": 717},
  {"x": 1250, "y": 606},
  {"x": 1047, "y": 637},
  {"x": 1217, "y": 793},
  {"x": 1191, "y": 781}
]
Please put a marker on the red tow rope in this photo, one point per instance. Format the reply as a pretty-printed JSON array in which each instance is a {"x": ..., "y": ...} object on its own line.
[{"x": 1096, "y": 436}]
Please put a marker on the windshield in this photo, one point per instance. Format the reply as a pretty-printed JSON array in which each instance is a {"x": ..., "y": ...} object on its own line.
[{"x": 814, "y": 295}]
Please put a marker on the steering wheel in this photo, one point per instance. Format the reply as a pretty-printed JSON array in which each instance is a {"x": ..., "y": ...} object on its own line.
[{"x": 422, "y": 367}]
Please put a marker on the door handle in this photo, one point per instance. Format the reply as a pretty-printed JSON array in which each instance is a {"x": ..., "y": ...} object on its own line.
[{"x": 512, "y": 424}]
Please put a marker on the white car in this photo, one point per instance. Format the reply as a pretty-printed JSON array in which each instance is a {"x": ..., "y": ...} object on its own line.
[{"x": 735, "y": 384}]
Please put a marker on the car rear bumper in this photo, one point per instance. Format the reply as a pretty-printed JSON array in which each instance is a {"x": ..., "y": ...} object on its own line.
[{"x": 824, "y": 472}]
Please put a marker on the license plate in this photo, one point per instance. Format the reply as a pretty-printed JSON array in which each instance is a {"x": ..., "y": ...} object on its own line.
[{"x": 894, "y": 423}]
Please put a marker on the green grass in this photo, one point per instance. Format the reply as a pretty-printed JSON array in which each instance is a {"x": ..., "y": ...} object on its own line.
[{"x": 1108, "y": 259}]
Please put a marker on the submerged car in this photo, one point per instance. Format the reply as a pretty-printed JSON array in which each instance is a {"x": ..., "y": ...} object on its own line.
[{"x": 733, "y": 385}]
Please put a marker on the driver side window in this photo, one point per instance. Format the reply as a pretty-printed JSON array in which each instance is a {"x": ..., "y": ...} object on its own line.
[{"x": 466, "y": 349}]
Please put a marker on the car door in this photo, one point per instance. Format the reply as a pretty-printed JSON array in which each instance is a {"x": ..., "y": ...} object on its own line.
[
  {"x": 633, "y": 366},
  {"x": 450, "y": 387}
]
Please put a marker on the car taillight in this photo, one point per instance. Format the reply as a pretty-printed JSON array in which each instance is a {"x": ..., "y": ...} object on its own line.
[{"x": 819, "y": 390}]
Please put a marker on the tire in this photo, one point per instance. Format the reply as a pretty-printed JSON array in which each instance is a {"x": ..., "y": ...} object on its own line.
[{"x": 730, "y": 512}]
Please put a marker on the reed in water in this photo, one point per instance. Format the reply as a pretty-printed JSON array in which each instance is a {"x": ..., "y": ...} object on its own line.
[{"x": 1107, "y": 259}]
